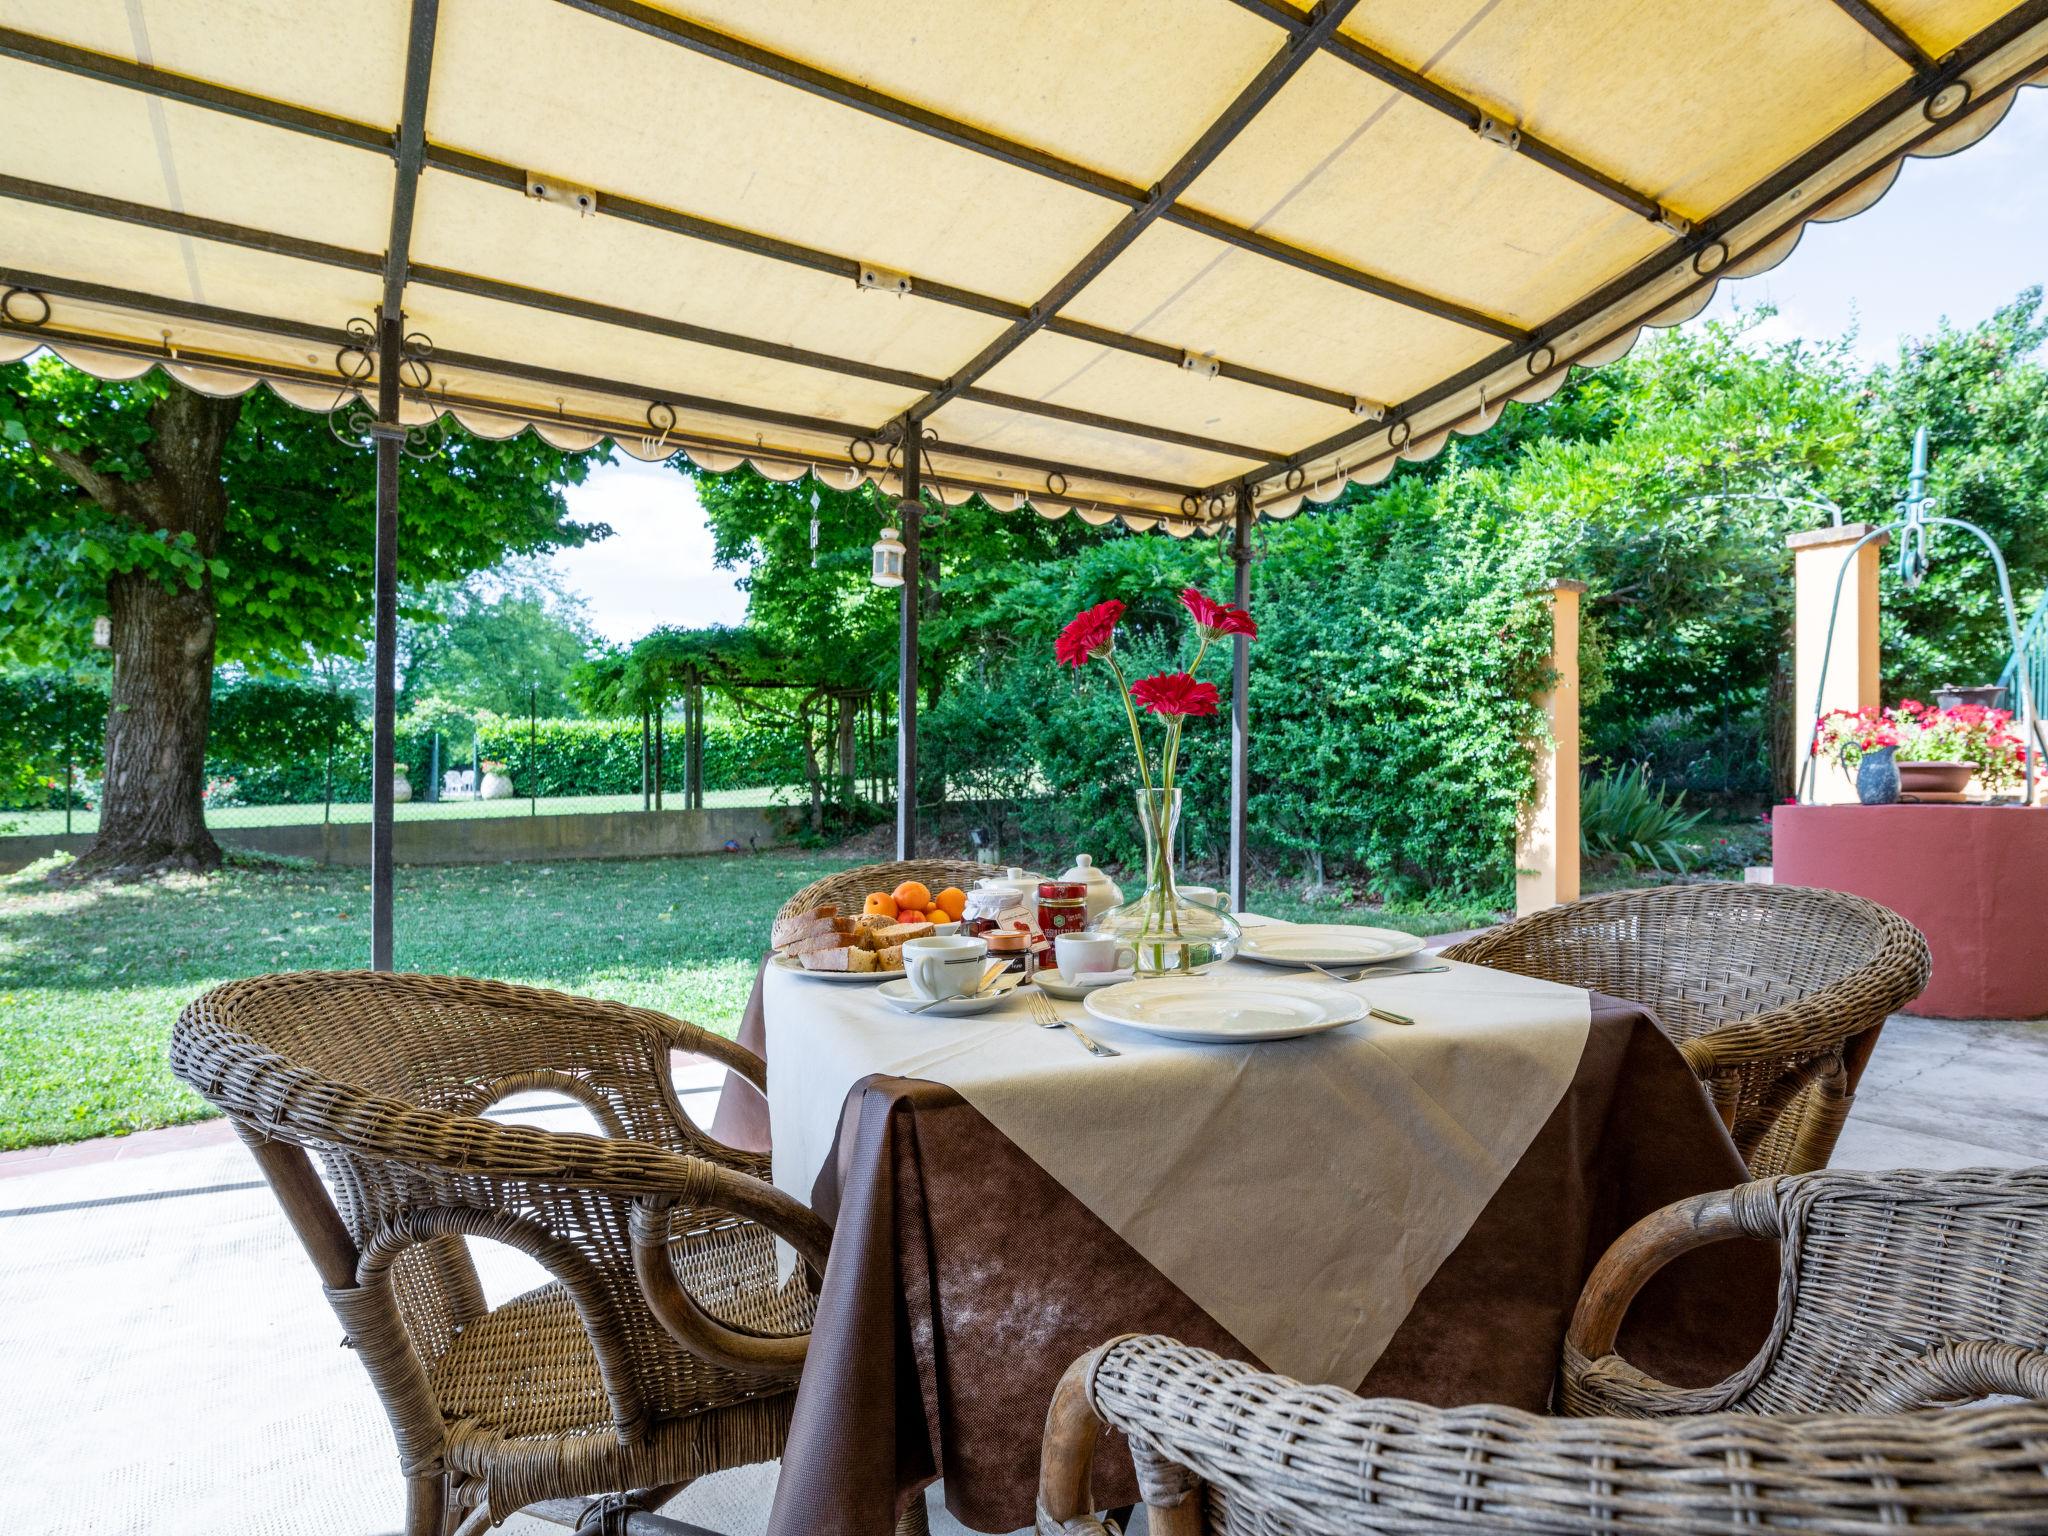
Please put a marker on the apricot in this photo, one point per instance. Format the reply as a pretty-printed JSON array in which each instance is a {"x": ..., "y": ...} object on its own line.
[
  {"x": 912, "y": 895},
  {"x": 879, "y": 904}
]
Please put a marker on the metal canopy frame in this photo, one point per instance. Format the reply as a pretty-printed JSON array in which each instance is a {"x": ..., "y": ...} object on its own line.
[{"x": 1531, "y": 355}]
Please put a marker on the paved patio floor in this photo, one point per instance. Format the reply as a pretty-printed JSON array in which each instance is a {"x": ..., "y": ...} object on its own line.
[{"x": 169, "y": 1366}]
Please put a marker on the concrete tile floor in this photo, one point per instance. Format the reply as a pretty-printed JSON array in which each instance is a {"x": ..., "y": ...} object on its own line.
[{"x": 169, "y": 1366}]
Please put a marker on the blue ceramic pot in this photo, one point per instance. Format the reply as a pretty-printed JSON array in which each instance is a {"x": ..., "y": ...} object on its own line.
[{"x": 1877, "y": 777}]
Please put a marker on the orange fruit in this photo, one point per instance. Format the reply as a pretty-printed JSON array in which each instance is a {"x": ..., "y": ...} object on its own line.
[
  {"x": 953, "y": 900},
  {"x": 879, "y": 904},
  {"x": 913, "y": 895}
]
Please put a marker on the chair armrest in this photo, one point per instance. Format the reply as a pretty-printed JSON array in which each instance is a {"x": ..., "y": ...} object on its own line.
[
  {"x": 1290, "y": 1458},
  {"x": 1964, "y": 1251},
  {"x": 652, "y": 1231},
  {"x": 730, "y": 1053}
]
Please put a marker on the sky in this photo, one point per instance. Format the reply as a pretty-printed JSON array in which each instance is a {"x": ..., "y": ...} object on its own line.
[{"x": 1954, "y": 238}]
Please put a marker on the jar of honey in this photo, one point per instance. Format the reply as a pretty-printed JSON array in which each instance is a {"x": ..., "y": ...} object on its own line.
[{"x": 1062, "y": 907}]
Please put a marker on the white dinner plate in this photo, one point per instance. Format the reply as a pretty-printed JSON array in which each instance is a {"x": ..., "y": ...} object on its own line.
[
  {"x": 1215, "y": 1009},
  {"x": 1325, "y": 944},
  {"x": 785, "y": 963},
  {"x": 898, "y": 994}
]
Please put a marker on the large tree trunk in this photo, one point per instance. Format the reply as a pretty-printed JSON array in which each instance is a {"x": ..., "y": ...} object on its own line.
[
  {"x": 849, "y": 761},
  {"x": 152, "y": 810}
]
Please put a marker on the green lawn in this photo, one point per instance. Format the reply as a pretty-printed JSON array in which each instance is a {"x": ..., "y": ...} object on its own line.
[
  {"x": 51, "y": 823},
  {"x": 91, "y": 978}
]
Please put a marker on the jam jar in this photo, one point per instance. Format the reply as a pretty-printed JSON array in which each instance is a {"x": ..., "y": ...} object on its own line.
[{"x": 1062, "y": 907}]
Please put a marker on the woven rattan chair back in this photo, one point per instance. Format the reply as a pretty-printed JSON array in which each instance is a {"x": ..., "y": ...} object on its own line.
[
  {"x": 1897, "y": 1290},
  {"x": 1774, "y": 993},
  {"x": 384, "y": 1078},
  {"x": 1224, "y": 1450},
  {"x": 847, "y": 889}
]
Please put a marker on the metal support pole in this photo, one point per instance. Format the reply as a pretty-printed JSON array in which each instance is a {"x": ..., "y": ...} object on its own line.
[
  {"x": 383, "y": 709},
  {"x": 533, "y": 749},
  {"x": 70, "y": 757},
  {"x": 1240, "y": 714},
  {"x": 909, "y": 516}
]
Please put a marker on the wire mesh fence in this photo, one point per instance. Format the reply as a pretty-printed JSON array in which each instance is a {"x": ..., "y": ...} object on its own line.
[{"x": 286, "y": 755}]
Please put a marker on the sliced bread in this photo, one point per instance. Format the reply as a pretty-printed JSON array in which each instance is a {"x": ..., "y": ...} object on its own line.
[
  {"x": 801, "y": 925},
  {"x": 899, "y": 934},
  {"x": 843, "y": 959}
]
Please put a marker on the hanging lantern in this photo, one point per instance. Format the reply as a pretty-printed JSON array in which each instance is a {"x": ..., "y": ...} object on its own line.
[
  {"x": 888, "y": 570},
  {"x": 103, "y": 632},
  {"x": 814, "y": 521}
]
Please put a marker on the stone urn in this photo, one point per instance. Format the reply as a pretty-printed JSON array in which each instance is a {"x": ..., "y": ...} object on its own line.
[
  {"x": 1936, "y": 778},
  {"x": 401, "y": 786},
  {"x": 497, "y": 785}
]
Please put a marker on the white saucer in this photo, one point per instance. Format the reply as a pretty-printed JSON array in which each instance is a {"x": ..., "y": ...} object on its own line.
[
  {"x": 1053, "y": 984},
  {"x": 900, "y": 997}
]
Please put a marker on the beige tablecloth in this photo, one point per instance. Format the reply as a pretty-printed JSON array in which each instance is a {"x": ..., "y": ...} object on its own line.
[{"x": 1301, "y": 1192}]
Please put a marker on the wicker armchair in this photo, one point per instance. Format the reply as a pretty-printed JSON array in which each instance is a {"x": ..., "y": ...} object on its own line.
[
  {"x": 1896, "y": 1290},
  {"x": 663, "y": 1348},
  {"x": 849, "y": 887},
  {"x": 1774, "y": 993},
  {"x": 1901, "y": 1292}
]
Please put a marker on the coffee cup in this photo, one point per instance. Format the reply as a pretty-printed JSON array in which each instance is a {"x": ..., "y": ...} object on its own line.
[
  {"x": 1091, "y": 954},
  {"x": 945, "y": 965}
]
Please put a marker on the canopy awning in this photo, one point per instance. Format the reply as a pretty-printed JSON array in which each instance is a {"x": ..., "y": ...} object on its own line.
[{"x": 1111, "y": 259}]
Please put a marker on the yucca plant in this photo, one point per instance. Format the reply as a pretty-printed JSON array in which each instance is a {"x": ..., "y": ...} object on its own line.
[{"x": 1623, "y": 815}]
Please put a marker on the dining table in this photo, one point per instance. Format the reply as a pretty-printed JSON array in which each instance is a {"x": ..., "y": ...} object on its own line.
[{"x": 1406, "y": 1206}]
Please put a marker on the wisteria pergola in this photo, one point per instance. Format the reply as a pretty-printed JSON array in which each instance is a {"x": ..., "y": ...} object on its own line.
[{"x": 1179, "y": 263}]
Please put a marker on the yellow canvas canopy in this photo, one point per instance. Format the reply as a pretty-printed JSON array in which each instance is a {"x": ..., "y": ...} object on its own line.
[{"x": 1116, "y": 260}]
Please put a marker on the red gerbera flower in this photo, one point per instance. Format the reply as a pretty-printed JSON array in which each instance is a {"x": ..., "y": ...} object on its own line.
[
  {"x": 1090, "y": 634},
  {"x": 1175, "y": 694},
  {"x": 1215, "y": 620}
]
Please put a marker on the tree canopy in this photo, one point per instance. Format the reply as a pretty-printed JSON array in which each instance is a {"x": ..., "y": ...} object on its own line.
[{"x": 292, "y": 574}]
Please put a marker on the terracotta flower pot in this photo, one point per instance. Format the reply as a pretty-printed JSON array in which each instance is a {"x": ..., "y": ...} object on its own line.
[{"x": 1935, "y": 778}]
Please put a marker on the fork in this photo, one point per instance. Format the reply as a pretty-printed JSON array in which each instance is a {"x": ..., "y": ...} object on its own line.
[
  {"x": 1045, "y": 1016},
  {"x": 1384, "y": 1015}
]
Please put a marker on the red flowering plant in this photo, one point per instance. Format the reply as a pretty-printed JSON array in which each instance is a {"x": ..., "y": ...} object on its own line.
[
  {"x": 1969, "y": 733},
  {"x": 1175, "y": 697}
]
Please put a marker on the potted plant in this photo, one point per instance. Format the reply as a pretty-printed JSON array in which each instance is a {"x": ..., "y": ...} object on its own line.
[
  {"x": 1915, "y": 749},
  {"x": 497, "y": 784}
]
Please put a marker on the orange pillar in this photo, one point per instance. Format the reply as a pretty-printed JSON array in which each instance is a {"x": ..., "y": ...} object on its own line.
[
  {"x": 1547, "y": 853},
  {"x": 1817, "y": 557}
]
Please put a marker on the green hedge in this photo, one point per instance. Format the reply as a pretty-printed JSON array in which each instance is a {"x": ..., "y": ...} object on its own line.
[
  {"x": 45, "y": 720},
  {"x": 602, "y": 757},
  {"x": 1392, "y": 725},
  {"x": 269, "y": 744}
]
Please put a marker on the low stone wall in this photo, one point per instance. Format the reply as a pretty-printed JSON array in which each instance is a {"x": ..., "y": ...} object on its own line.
[{"x": 483, "y": 839}]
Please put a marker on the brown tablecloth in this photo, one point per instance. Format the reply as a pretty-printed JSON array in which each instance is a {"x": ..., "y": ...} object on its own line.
[{"x": 963, "y": 1281}]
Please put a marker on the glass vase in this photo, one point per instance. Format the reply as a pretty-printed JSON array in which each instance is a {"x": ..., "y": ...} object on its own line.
[{"x": 1170, "y": 934}]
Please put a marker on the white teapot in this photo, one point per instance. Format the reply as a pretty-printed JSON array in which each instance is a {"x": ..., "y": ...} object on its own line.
[{"x": 1103, "y": 894}]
